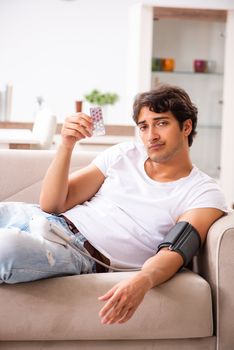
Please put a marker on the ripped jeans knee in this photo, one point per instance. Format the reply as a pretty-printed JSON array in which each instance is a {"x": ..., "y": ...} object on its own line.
[{"x": 27, "y": 257}]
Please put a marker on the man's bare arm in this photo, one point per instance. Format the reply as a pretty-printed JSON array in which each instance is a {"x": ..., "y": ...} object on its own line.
[
  {"x": 124, "y": 298},
  {"x": 59, "y": 190}
]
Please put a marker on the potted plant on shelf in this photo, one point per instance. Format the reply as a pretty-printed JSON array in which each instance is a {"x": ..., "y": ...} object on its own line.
[{"x": 98, "y": 98}]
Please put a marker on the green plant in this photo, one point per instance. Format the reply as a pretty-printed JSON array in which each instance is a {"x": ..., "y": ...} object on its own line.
[{"x": 101, "y": 99}]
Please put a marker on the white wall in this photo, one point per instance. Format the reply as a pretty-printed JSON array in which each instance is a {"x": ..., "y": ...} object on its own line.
[{"x": 63, "y": 49}]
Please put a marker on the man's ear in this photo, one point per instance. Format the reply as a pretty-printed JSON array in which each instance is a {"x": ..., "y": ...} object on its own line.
[{"x": 187, "y": 126}]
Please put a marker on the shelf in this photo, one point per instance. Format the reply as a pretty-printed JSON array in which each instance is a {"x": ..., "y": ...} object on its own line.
[
  {"x": 115, "y": 129},
  {"x": 192, "y": 14},
  {"x": 188, "y": 73}
]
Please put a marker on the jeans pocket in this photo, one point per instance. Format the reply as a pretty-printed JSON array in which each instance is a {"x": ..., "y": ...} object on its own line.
[{"x": 41, "y": 226}]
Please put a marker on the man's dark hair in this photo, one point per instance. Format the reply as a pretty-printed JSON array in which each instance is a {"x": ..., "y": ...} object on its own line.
[{"x": 168, "y": 98}]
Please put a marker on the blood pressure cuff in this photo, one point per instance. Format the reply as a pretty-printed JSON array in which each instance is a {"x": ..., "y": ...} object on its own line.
[{"x": 184, "y": 239}]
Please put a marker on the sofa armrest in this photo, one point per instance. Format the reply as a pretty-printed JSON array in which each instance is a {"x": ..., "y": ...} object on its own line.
[{"x": 216, "y": 265}]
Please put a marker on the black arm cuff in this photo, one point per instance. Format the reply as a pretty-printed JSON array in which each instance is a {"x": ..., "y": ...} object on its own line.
[{"x": 184, "y": 239}]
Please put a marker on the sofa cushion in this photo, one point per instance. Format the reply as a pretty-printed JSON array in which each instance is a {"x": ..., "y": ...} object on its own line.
[
  {"x": 66, "y": 308},
  {"x": 24, "y": 171}
]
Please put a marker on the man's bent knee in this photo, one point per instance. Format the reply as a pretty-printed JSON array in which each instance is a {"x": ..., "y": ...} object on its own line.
[{"x": 14, "y": 251}]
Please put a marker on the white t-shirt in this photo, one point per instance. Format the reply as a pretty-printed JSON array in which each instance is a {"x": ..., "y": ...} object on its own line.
[{"x": 131, "y": 213}]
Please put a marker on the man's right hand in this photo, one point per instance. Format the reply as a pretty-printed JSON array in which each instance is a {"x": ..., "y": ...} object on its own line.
[{"x": 76, "y": 127}]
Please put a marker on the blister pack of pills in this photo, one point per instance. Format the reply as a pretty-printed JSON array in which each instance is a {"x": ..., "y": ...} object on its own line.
[{"x": 98, "y": 122}]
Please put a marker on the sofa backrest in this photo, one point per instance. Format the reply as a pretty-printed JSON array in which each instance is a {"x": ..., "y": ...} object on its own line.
[{"x": 22, "y": 172}]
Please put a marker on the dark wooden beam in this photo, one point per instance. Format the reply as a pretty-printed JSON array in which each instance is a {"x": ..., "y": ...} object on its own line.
[{"x": 191, "y": 14}]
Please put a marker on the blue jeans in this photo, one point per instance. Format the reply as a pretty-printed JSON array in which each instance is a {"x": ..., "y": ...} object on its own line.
[{"x": 25, "y": 256}]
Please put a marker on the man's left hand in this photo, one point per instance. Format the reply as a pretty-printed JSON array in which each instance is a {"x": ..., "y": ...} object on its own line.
[{"x": 123, "y": 299}]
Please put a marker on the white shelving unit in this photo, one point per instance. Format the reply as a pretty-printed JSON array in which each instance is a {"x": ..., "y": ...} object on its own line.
[
  {"x": 186, "y": 38},
  {"x": 140, "y": 77}
]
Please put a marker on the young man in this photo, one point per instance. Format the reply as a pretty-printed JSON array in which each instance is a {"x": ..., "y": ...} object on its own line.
[{"x": 122, "y": 206}]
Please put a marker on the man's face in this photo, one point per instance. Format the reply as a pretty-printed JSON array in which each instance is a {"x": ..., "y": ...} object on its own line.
[{"x": 161, "y": 134}]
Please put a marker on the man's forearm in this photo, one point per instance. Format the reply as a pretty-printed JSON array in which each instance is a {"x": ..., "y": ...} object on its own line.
[
  {"x": 55, "y": 184},
  {"x": 161, "y": 267}
]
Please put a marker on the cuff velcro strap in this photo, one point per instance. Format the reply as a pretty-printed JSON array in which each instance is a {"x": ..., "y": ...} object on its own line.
[{"x": 184, "y": 239}]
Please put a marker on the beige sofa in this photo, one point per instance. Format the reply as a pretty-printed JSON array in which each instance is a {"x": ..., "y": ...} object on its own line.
[{"x": 188, "y": 312}]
